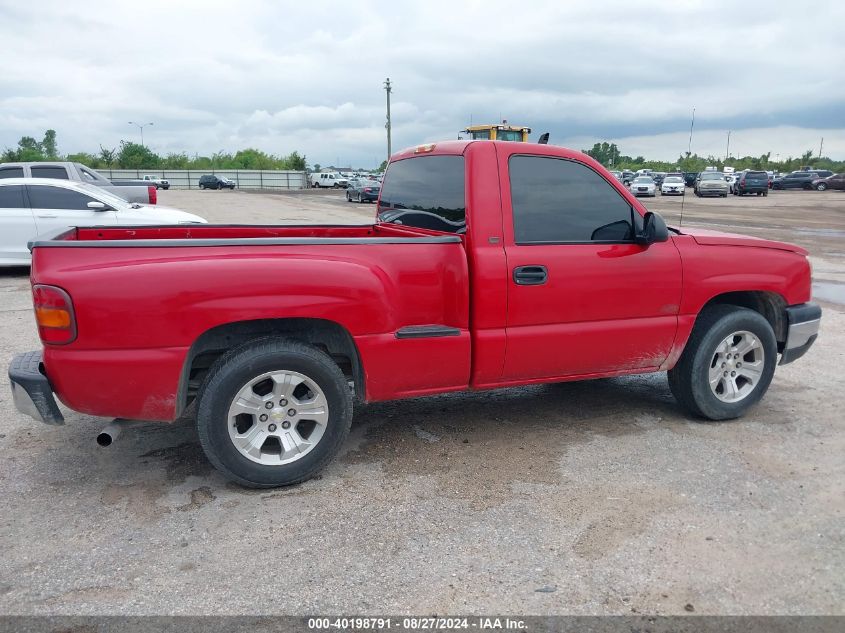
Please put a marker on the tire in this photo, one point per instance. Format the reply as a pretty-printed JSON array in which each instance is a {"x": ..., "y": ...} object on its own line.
[
  {"x": 821, "y": 186},
  {"x": 765, "y": 193},
  {"x": 360, "y": 199},
  {"x": 689, "y": 379},
  {"x": 348, "y": 197},
  {"x": 225, "y": 385}
]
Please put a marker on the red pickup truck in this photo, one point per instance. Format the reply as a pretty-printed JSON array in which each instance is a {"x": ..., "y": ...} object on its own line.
[{"x": 491, "y": 264}]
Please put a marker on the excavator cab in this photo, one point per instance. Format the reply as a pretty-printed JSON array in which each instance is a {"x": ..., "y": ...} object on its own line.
[{"x": 499, "y": 132}]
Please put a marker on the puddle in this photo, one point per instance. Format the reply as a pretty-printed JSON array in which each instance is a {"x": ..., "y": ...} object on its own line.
[{"x": 829, "y": 291}]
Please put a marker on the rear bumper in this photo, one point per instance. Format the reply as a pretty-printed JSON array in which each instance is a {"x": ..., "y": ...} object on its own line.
[
  {"x": 712, "y": 192},
  {"x": 31, "y": 391},
  {"x": 802, "y": 330}
]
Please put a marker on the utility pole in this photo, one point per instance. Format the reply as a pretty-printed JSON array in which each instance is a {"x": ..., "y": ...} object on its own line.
[
  {"x": 821, "y": 145},
  {"x": 388, "y": 89},
  {"x": 141, "y": 127},
  {"x": 728, "y": 148}
]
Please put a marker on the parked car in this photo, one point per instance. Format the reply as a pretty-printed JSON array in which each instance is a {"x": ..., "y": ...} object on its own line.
[
  {"x": 328, "y": 179},
  {"x": 672, "y": 186},
  {"x": 363, "y": 190},
  {"x": 34, "y": 206},
  {"x": 627, "y": 177},
  {"x": 836, "y": 181},
  {"x": 159, "y": 182},
  {"x": 616, "y": 174},
  {"x": 421, "y": 302},
  {"x": 658, "y": 177},
  {"x": 130, "y": 190},
  {"x": 796, "y": 180},
  {"x": 209, "y": 181},
  {"x": 643, "y": 186},
  {"x": 752, "y": 182},
  {"x": 690, "y": 177},
  {"x": 711, "y": 183},
  {"x": 731, "y": 180}
]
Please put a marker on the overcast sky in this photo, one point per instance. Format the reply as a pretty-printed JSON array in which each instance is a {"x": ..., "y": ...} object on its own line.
[{"x": 284, "y": 76}]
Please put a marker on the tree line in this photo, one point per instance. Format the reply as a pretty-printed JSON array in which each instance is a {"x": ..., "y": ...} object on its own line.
[
  {"x": 135, "y": 156},
  {"x": 608, "y": 154}
]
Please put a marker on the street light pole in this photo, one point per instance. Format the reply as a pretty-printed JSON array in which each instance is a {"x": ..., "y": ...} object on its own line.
[
  {"x": 141, "y": 127},
  {"x": 388, "y": 89}
]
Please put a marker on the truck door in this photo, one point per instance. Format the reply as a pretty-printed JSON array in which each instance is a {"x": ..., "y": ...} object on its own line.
[{"x": 583, "y": 298}]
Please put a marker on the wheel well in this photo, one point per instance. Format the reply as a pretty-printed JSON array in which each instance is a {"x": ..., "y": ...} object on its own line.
[
  {"x": 769, "y": 304},
  {"x": 328, "y": 336}
]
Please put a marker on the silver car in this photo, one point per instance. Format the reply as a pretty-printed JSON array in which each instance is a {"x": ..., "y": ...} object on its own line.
[
  {"x": 711, "y": 183},
  {"x": 643, "y": 186}
]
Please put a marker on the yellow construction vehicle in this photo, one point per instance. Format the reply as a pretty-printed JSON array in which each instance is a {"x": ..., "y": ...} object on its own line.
[{"x": 499, "y": 132}]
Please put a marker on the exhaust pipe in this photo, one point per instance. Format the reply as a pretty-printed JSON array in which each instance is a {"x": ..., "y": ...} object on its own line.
[{"x": 110, "y": 433}]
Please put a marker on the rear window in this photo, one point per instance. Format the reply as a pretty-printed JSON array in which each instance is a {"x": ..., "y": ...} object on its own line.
[
  {"x": 756, "y": 175},
  {"x": 425, "y": 192}
]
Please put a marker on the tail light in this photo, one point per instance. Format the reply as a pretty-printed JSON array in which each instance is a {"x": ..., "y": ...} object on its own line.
[
  {"x": 54, "y": 315},
  {"x": 153, "y": 194},
  {"x": 368, "y": 190}
]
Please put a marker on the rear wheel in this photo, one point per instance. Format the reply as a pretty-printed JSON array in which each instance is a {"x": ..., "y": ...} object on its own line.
[
  {"x": 273, "y": 412},
  {"x": 727, "y": 364},
  {"x": 765, "y": 193}
]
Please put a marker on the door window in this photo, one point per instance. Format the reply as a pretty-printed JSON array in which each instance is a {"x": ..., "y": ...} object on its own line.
[
  {"x": 557, "y": 200},
  {"x": 43, "y": 197},
  {"x": 11, "y": 172},
  {"x": 11, "y": 197},
  {"x": 49, "y": 171}
]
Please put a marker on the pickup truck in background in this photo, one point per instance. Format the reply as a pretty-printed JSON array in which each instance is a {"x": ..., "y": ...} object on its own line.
[
  {"x": 138, "y": 191},
  {"x": 158, "y": 181},
  {"x": 491, "y": 264}
]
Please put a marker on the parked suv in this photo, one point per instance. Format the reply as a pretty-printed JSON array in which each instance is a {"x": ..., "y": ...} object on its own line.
[
  {"x": 752, "y": 182},
  {"x": 216, "y": 182},
  {"x": 796, "y": 180},
  {"x": 711, "y": 183}
]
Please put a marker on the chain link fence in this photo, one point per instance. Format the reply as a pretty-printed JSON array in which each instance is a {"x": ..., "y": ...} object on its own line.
[{"x": 189, "y": 178}]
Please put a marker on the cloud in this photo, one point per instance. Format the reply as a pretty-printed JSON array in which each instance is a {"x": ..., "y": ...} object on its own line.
[{"x": 279, "y": 76}]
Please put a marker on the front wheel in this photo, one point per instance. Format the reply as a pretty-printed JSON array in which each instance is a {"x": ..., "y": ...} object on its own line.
[
  {"x": 821, "y": 186},
  {"x": 273, "y": 412},
  {"x": 727, "y": 364}
]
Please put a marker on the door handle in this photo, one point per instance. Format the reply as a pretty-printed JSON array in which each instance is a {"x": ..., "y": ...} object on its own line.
[
  {"x": 46, "y": 216},
  {"x": 530, "y": 275}
]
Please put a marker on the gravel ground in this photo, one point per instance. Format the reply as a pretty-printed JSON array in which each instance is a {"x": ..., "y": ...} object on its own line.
[{"x": 582, "y": 498}]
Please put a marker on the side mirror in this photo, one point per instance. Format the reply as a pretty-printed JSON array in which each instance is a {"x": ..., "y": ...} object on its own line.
[
  {"x": 654, "y": 230},
  {"x": 95, "y": 205}
]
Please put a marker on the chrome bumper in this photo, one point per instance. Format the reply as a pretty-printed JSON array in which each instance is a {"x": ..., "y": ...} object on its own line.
[
  {"x": 31, "y": 391},
  {"x": 802, "y": 330}
]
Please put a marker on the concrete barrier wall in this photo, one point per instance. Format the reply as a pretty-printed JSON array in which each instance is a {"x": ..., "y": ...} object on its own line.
[{"x": 189, "y": 178}]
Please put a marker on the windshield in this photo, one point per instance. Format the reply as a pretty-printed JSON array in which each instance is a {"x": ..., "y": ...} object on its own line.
[
  {"x": 671, "y": 179},
  {"x": 509, "y": 135},
  {"x": 643, "y": 180},
  {"x": 712, "y": 175}
]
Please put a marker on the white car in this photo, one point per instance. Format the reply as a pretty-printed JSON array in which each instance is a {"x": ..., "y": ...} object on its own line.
[
  {"x": 672, "y": 186},
  {"x": 643, "y": 186},
  {"x": 31, "y": 206}
]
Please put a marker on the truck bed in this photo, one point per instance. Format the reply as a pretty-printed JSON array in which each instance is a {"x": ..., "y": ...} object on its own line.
[{"x": 151, "y": 292}]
